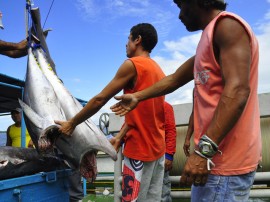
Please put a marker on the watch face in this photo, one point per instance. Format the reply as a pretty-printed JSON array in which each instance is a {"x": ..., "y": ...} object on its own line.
[{"x": 206, "y": 148}]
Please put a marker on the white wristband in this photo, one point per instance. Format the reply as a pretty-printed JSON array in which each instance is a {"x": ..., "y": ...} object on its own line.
[{"x": 209, "y": 161}]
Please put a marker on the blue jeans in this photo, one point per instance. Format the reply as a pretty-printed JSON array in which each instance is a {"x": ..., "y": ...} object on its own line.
[
  {"x": 166, "y": 188},
  {"x": 224, "y": 188}
]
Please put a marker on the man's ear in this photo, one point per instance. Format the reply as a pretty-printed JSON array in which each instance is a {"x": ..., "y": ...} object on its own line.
[{"x": 139, "y": 39}]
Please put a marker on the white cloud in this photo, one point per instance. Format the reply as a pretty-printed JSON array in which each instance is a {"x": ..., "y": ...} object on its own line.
[
  {"x": 264, "y": 61},
  {"x": 111, "y": 10},
  {"x": 88, "y": 8},
  {"x": 178, "y": 52},
  {"x": 181, "y": 95},
  {"x": 185, "y": 45}
]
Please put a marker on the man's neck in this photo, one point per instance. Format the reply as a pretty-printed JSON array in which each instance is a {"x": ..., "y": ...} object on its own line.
[
  {"x": 208, "y": 17},
  {"x": 142, "y": 53},
  {"x": 18, "y": 125}
]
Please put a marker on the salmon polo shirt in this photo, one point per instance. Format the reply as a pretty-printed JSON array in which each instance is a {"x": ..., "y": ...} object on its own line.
[{"x": 241, "y": 148}]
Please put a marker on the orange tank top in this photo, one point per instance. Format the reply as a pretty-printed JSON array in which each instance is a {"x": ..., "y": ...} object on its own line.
[
  {"x": 241, "y": 147},
  {"x": 145, "y": 139}
]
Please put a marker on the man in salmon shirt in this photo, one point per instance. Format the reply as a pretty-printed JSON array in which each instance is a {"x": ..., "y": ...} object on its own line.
[
  {"x": 145, "y": 139},
  {"x": 226, "y": 110}
]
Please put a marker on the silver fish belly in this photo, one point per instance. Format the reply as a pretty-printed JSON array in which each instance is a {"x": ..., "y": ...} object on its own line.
[{"x": 46, "y": 99}]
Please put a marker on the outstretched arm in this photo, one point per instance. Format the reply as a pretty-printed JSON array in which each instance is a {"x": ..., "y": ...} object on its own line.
[
  {"x": 182, "y": 75},
  {"x": 123, "y": 76},
  {"x": 13, "y": 50}
]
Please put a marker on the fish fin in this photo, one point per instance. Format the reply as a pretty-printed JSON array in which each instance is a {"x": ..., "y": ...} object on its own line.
[{"x": 32, "y": 115}]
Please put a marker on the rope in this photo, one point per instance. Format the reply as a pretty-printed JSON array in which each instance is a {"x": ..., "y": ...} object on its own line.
[
  {"x": 48, "y": 14},
  {"x": 28, "y": 19}
]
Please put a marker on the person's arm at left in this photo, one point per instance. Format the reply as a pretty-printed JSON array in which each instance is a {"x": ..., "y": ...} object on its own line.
[
  {"x": 124, "y": 75},
  {"x": 170, "y": 136},
  {"x": 234, "y": 58},
  {"x": 13, "y": 50},
  {"x": 9, "y": 141}
]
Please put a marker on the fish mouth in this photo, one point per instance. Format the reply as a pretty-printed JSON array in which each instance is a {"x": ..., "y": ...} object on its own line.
[
  {"x": 48, "y": 138},
  {"x": 88, "y": 166},
  {"x": 88, "y": 163}
]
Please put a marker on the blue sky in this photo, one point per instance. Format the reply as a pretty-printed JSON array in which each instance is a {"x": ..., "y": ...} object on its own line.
[{"x": 89, "y": 36}]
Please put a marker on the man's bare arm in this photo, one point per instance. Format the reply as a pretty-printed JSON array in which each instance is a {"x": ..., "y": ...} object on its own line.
[
  {"x": 13, "y": 50},
  {"x": 123, "y": 76},
  {"x": 182, "y": 76},
  {"x": 14, "y": 53},
  {"x": 234, "y": 59}
]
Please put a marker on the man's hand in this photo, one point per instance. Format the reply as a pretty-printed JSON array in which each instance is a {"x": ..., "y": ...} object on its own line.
[
  {"x": 195, "y": 171},
  {"x": 116, "y": 143},
  {"x": 168, "y": 164},
  {"x": 67, "y": 127},
  {"x": 186, "y": 146},
  {"x": 128, "y": 102},
  {"x": 22, "y": 45},
  {"x": 30, "y": 144}
]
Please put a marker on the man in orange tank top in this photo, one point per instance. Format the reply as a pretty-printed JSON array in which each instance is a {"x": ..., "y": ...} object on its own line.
[
  {"x": 226, "y": 110},
  {"x": 145, "y": 138}
]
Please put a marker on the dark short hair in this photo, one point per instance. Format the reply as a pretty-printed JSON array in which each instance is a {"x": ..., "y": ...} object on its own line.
[
  {"x": 206, "y": 4},
  {"x": 148, "y": 34}
]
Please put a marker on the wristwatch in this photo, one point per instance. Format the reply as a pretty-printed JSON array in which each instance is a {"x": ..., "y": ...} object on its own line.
[{"x": 206, "y": 149}]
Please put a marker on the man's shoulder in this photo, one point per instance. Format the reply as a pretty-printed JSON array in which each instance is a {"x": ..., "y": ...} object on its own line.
[{"x": 8, "y": 129}]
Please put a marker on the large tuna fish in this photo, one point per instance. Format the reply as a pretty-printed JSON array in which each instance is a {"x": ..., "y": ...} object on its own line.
[
  {"x": 16, "y": 162},
  {"x": 41, "y": 104},
  {"x": 56, "y": 103}
]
